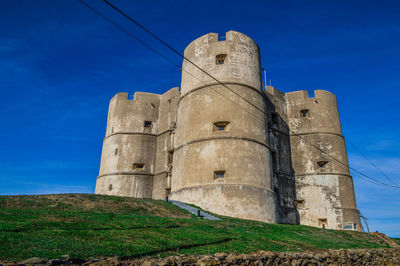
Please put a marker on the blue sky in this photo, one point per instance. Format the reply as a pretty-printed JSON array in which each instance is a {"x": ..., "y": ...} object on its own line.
[{"x": 60, "y": 64}]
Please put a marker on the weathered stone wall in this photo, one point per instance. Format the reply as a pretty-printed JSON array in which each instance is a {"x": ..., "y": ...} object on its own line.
[
  {"x": 279, "y": 141},
  {"x": 322, "y": 183},
  {"x": 128, "y": 141},
  {"x": 389, "y": 256},
  {"x": 271, "y": 170},
  {"x": 240, "y": 150},
  {"x": 165, "y": 146}
]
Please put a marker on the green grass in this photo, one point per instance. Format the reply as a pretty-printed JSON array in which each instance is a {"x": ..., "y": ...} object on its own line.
[{"x": 83, "y": 226}]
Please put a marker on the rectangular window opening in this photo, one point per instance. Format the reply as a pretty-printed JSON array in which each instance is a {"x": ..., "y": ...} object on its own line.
[
  {"x": 138, "y": 166},
  {"x": 220, "y": 126},
  {"x": 323, "y": 222},
  {"x": 322, "y": 163},
  {"x": 112, "y": 130},
  {"x": 299, "y": 203},
  {"x": 274, "y": 157},
  {"x": 219, "y": 174},
  {"x": 170, "y": 157},
  {"x": 275, "y": 117},
  {"x": 220, "y": 59},
  {"x": 305, "y": 113},
  {"x": 109, "y": 187},
  {"x": 116, "y": 151},
  {"x": 147, "y": 124},
  {"x": 349, "y": 226}
]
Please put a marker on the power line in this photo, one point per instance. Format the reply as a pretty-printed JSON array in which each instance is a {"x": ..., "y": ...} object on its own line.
[
  {"x": 178, "y": 53},
  {"x": 366, "y": 158},
  {"x": 364, "y": 176},
  {"x": 157, "y": 52}
]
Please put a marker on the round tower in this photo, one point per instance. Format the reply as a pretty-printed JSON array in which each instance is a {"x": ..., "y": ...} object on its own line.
[
  {"x": 221, "y": 158},
  {"x": 128, "y": 156},
  {"x": 324, "y": 187}
]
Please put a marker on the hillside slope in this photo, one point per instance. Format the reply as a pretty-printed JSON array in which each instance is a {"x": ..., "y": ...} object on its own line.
[{"x": 83, "y": 226}]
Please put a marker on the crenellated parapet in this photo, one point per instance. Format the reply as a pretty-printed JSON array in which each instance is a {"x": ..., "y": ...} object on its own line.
[
  {"x": 222, "y": 142},
  {"x": 324, "y": 187},
  {"x": 221, "y": 153},
  {"x": 128, "y": 162},
  {"x": 313, "y": 114}
]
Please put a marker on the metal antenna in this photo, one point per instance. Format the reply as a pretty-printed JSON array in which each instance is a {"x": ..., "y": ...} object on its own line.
[
  {"x": 265, "y": 77},
  {"x": 270, "y": 79}
]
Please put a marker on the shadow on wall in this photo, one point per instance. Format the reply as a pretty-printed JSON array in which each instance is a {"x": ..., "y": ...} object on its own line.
[{"x": 282, "y": 168}]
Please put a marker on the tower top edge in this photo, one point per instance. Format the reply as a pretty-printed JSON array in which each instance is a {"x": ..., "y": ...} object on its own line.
[
  {"x": 307, "y": 95},
  {"x": 213, "y": 37}
]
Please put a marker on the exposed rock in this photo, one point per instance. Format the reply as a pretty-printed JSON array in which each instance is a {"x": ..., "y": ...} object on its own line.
[
  {"x": 34, "y": 260},
  {"x": 389, "y": 256}
]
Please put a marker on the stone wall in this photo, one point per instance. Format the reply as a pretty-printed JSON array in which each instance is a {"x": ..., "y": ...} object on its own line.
[
  {"x": 330, "y": 257},
  {"x": 387, "y": 256},
  {"x": 261, "y": 166}
]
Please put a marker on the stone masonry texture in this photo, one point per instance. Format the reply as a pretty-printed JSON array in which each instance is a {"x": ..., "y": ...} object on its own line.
[{"x": 231, "y": 145}]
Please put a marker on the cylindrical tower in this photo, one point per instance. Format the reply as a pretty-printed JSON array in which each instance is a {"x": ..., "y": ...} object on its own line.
[
  {"x": 324, "y": 187},
  {"x": 128, "y": 156},
  {"x": 221, "y": 158}
]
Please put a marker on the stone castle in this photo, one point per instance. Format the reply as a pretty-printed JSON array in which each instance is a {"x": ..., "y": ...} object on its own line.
[{"x": 231, "y": 145}]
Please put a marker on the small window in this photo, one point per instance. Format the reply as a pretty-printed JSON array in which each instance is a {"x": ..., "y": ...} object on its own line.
[
  {"x": 323, "y": 222},
  {"x": 349, "y": 226},
  {"x": 219, "y": 174},
  {"x": 322, "y": 163},
  {"x": 275, "y": 118},
  {"x": 220, "y": 59},
  {"x": 304, "y": 113},
  {"x": 109, "y": 187},
  {"x": 299, "y": 203},
  {"x": 170, "y": 157},
  {"x": 112, "y": 130},
  {"x": 220, "y": 126},
  {"x": 138, "y": 166},
  {"x": 274, "y": 157},
  {"x": 147, "y": 124},
  {"x": 116, "y": 152}
]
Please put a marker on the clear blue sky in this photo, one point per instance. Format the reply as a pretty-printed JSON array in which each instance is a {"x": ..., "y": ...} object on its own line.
[{"x": 60, "y": 64}]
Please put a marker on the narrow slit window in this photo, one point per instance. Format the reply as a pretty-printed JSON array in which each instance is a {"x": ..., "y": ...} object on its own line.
[
  {"x": 170, "y": 157},
  {"x": 322, "y": 163},
  {"x": 220, "y": 126},
  {"x": 219, "y": 174},
  {"x": 110, "y": 187},
  {"x": 305, "y": 113},
  {"x": 112, "y": 130},
  {"x": 116, "y": 152},
  {"x": 138, "y": 166},
  {"x": 147, "y": 124},
  {"x": 220, "y": 59},
  {"x": 275, "y": 118},
  {"x": 274, "y": 157}
]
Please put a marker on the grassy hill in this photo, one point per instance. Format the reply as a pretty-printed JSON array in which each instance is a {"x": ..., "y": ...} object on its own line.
[{"x": 83, "y": 226}]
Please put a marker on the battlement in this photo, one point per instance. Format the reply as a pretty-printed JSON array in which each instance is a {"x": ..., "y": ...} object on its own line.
[
  {"x": 304, "y": 94},
  {"x": 213, "y": 38},
  {"x": 234, "y": 60},
  {"x": 206, "y": 146},
  {"x": 142, "y": 97}
]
